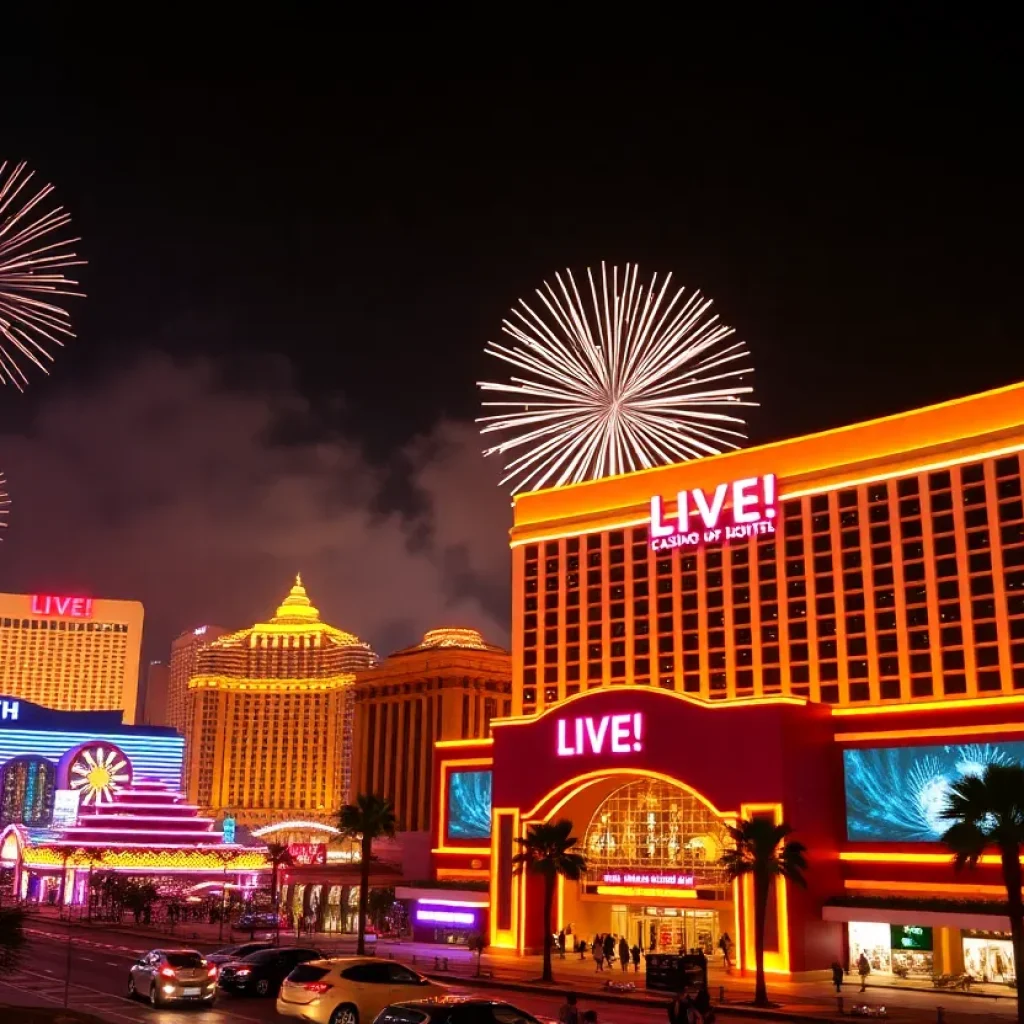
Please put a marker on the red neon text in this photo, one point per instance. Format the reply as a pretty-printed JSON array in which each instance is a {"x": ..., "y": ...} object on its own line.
[
  {"x": 65, "y": 607},
  {"x": 701, "y": 519},
  {"x": 646, "y": 878},
  {"x": 620, "y": 734},
  {"x": 307, "y": 853}
]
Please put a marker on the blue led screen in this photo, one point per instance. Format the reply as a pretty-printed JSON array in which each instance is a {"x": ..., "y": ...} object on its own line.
[
  {"x": 469, "y": 805},
  {"x": 897, "y": 794}
]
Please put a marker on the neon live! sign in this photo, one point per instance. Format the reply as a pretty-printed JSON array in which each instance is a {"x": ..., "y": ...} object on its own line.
[
  {"x": 705, "y": 519},
  {"x": 616, "y": 734},
  {"x": 63, "y": 607}
]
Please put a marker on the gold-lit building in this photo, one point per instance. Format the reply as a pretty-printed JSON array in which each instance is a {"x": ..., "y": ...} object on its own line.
[
  {"x": 877, "y": 564},
  {"x": 270, "y": 717},
  {"x": 447, "y": 687},
  {"x": 71, "y": 653},
  {"x": 183, "y": 664}
]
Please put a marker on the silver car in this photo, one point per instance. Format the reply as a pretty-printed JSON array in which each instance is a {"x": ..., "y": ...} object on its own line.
[{"x": 173, "y": 975}]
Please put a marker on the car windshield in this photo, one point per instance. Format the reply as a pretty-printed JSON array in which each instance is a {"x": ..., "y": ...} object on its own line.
[{"x": 184, "y": 959}]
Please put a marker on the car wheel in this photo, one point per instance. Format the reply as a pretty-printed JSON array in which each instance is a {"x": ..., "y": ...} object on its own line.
[
  {"x": 154, "y": 996},
  {"x": 132, "y": 994},
  {"x": 262, "y": 987},
  {"x": 345, "y": 1015}
]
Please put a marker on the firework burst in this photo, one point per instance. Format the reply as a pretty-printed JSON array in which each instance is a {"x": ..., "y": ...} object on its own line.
[
  {"x": 33, "y": 259},
  {"x": 632, "y": 376}
]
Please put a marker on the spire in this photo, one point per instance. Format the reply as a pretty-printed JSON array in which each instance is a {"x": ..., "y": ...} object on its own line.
[{"x": 297, "y": 607}]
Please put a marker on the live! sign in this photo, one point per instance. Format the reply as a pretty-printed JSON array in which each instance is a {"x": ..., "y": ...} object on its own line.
[
  {"x": 703, "y": 518},
  {"x": 62, "y": 607}
]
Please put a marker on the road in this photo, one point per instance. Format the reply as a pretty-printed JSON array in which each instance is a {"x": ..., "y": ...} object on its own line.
[{"x": 99, "y": 977}]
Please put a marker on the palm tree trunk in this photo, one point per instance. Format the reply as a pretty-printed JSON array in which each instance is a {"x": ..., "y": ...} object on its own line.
[
  {"x": 761, "y": 885},
  {"x": 549, "y": 902},
  {"x": 364, "y": 896},
  {"x": 273, "y": 883},
  {"x": 1015, "y": 907}
]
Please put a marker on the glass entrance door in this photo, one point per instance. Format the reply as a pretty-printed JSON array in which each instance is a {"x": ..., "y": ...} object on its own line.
[{"x": 667, "y": 930}]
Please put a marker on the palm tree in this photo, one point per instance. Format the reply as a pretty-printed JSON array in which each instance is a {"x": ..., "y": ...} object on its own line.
[
  {"x": 547, "y": 851},
  {"x": 989, "y": 811},
  {"x": 277, "y": 854},
  {"x": 369, "y": 818},
  {"x": 763, "y": 850},
  {"x": 13, "y": 943}
]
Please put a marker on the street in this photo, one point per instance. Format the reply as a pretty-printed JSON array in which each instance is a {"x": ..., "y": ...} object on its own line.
[{"x": 99, "y": 977}]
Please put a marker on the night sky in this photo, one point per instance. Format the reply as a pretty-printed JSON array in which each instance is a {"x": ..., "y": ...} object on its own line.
[{"x": 293, "y": 269}]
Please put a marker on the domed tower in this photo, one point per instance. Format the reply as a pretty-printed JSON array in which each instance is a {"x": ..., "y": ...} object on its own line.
[{"x": 270, "y": 716}]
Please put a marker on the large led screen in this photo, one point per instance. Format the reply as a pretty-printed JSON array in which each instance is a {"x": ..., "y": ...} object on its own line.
[
  {"x": 469, "y": 805},
  {"x": 897, "y": 794}
]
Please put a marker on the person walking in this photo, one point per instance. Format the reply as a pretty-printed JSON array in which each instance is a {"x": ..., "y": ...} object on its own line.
[
  {"x": 725, "y": 945},
  {"x": 598, "y": 956},
  {"x": 624, "y": 954},
  {"x": 569, "y": 1013},
  {"x": 636, "y": 957},
  {"x": 863, "y": 969},
  {"x": 609, "y": 948},
  {"x": 837, "y": 975},
  {"x": 561, "y": 944}
]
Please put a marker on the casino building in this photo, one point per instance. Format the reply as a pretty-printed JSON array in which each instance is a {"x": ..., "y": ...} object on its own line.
[{"x": 827, "y": 630}]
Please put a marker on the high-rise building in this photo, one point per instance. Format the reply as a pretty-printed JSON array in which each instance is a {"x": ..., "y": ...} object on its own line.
[
  {"x": 181, "y": 667},
  {"x": 154, "y": 694},
  {"x": 449, "y": 686},
  {"x": 270, "y": 717},
  {"x": 71, "y": 653}
]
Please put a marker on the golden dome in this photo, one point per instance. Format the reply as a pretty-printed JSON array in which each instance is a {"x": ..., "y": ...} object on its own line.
[
  {"x": 297, "y": 607},
  {"x": 454, "y": 636}
]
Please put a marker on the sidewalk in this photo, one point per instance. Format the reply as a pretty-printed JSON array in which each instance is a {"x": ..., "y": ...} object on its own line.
[{"x": 805, "y": 1000}]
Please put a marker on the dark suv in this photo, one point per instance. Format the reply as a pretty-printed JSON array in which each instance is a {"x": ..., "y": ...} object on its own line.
[
  {"x": 261, "y": 974},
  {"x": 456, "y": 1010}
]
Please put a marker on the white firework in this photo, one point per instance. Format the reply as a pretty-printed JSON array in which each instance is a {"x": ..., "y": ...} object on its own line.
[{"x": 637, "y": 377}]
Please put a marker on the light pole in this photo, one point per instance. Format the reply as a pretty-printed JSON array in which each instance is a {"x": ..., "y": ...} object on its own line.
[{"x": 225, "y": 857}]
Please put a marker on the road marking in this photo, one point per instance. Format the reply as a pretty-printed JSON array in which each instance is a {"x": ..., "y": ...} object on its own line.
[{"x": 112, "y": 963}]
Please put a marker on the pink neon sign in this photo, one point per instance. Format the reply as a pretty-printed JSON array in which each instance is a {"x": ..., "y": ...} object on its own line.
[
  {"x": 65, "y": 607},
  {"x": 668, "y": 880},
  {"x": 704, "y": 519},
  {"x": 618, "y": 734}
]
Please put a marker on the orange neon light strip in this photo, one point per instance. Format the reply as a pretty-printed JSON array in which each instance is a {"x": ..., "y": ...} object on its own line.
[
  {"x": 949, "y": 888},
  {"x": 914, "y": 734},
  {"x": 932, "y": 705},
  {"x": 911, "y": 858},
  {"x": 483, "y": 742}
]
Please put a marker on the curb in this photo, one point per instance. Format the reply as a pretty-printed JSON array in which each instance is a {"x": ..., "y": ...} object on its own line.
[{"x": 603, "y": 996}]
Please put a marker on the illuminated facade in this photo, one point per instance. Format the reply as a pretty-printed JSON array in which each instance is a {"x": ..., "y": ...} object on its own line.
[
  {"x": 827, "y": 631},
  {"x": 71, "y": 653},
  {"x": 449, "y": 686},
  {"x": 154, "y": 702},
  {"x": 181, "y": 667},
  {"x": 883, "y": 564},
  {"x": 270, "y": 717}
]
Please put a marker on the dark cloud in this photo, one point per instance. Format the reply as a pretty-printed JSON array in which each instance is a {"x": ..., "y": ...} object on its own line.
[{"x": 170, "y": 483}]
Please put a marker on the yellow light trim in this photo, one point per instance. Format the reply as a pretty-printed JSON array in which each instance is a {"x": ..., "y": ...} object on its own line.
[
  {"x": 197, "y": 860},
  {"x": 442, "y": 817},
  {"x": 602, "y": 773},
  {"x": 914, "y": 734},
  {"x": 449, "y": 744},
  {"x": 861, "y": 885},
  {"x": 932, "y": 705},
  {"x": 639, "y": 890},
  {"x": 221, "y": 682},
  {"x": 775, "y": 962},
  {"x": 911, "y": 858},
  {"x": 456, "y": 874},
  {"x": 685, "y": 698},
  {"x": 503, "y": 938}
]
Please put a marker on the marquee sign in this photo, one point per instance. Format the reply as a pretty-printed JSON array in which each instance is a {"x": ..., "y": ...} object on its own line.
[
  {"x": 305, "y": 854},
  {"x": 616, "y": 734},
  {"x": 62, "y": 607},
  {"x": 703, "y": 519},
  {"x": 671, "y": 880}
]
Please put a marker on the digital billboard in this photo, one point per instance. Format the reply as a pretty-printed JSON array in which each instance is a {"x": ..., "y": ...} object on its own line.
[
  {"x": 469, "y": 804},
  {"x": 897, "y": 794}
]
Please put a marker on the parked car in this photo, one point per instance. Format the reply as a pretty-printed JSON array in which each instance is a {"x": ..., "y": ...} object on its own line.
[
  {"x": 261, "y": 973},
  {"x": 259, "y": 919},
  {"x": 350, "y": 990},
  {"x": 457, "y": 1010},
  {"x": 173, "y": 975},
  {"x": 219, "y": 957}
]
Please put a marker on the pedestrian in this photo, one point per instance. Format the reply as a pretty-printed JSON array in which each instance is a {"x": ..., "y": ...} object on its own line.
[
  {"x": 561, "y": 944},
  {"x": 599, "y": 956},
  {"x": 863, "y": 969},
  {"x": 583, "y": 949},
  {"x": 725, "y": 945},
  {"x": 702, "y": 1004},
  {"x": 569, "y": 1013},
  {"x": 624, "y": 953},
  {"x": 636, "y": 957},
  {"x": 837, "y": 975},
  {"x": 609, "y": 948},
  {"x": 678, "y": 1010}
]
